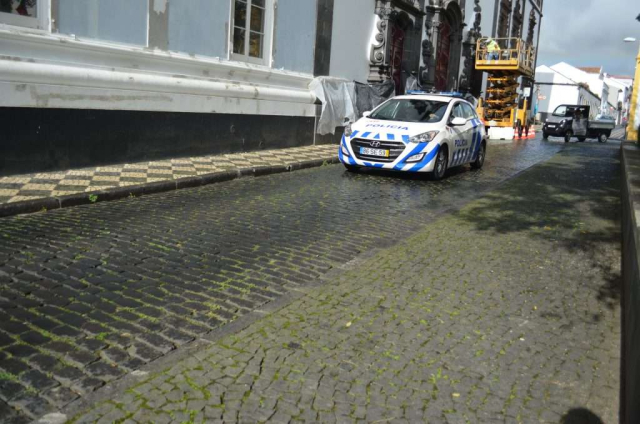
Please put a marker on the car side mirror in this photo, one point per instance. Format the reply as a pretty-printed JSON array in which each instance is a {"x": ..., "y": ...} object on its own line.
[
  {"x": 366, "y": 114},
  {"x": 456, "y": 122}
]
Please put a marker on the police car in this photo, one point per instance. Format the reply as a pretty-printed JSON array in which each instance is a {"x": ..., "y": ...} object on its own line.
[{"x": 418, "y": 132}]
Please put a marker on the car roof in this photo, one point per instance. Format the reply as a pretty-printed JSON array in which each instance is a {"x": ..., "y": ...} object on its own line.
[{"x": 434, "y": 97}]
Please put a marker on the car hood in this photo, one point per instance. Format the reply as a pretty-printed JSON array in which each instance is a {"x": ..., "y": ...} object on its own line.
[
  {"x": 386, "y": 130},
  {"x": 554, "y": 119}
]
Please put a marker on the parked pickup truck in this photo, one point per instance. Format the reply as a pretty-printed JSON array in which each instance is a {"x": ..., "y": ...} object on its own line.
[{"x": 570, "y": 121}]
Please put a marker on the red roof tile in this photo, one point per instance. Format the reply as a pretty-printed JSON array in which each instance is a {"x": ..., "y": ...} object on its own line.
[{"x": 590, "y": 69}]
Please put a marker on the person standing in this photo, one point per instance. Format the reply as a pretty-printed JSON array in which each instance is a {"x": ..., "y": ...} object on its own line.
[{"x": 493, "y": 48}]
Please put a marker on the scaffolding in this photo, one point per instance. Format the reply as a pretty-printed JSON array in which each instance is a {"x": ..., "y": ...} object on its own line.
[{"x": 505, "y": 60}]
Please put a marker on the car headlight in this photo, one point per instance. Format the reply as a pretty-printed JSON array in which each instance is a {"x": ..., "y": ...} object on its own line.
[
  {"x": 347, "y": 130},
  {"x": 344, "y": 150},
  {"x": 424, "y": 137},
  {"x": 415, "y": 158},
  {"x": 564, "y": 121}
]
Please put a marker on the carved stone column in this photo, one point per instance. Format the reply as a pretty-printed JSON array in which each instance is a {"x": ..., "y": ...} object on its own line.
[
  {"x": 469, "y": 77},
  {"x": 379, "y": 60},
  {"x": 403, "y": 13},
  {"x": 430, "y": 40}
]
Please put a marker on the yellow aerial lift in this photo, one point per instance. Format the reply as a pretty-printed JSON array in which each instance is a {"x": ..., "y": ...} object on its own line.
[{"x": 505, "y": 60}]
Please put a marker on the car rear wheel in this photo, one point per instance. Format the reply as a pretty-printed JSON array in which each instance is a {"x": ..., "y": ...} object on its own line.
[
  {"x": 440, "y": 167},
  {"x": 352, "y": 168},
  {"x": 602, "y": 138},
  {"x": 477, "y": 164},
  {"x": 567, "y": 136}
]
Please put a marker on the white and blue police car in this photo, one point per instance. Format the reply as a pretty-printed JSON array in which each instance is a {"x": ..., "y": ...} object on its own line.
[{"x": 418, "y": 132}]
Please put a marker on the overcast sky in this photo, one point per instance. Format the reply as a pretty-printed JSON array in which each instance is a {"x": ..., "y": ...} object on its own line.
[{"x": 590, "y": 33}]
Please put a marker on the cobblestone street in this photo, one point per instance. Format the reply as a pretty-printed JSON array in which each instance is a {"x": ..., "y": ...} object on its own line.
[{"x": 504, "y": 310}]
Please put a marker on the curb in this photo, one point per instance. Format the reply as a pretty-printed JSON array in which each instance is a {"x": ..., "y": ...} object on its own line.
[{"x": 115, "y": 193}]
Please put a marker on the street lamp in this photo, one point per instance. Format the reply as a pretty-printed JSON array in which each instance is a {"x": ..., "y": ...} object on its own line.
[{"x": 634, "y": 120}]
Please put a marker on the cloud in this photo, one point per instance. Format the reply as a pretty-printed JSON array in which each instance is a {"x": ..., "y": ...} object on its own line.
[{"x": 590, "y": 33}]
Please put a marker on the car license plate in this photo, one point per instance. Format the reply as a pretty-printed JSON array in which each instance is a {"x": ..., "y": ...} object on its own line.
[
  {"x": 374, "y": 152},
  {"x": 551, "y": 125}
]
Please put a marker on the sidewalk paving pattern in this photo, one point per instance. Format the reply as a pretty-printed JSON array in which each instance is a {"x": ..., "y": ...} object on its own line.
[
  {"x": 23, "y": 187},
  {"x": 89, "y": 294},
  {"x": 506, "y": 311}
]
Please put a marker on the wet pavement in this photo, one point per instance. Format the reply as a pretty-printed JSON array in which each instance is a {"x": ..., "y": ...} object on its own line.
[{"x": 90, "y": 294}]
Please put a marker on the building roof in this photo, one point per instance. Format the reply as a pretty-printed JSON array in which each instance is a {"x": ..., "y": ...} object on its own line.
[
  {"x": 591, "y": 69},
  {"x": 621, "y": 77}
]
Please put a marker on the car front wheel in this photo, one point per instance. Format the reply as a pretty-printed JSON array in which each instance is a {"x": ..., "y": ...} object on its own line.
[
  {"x": 567, "y": 136},
  {"x": 602, "y": 138},
  {"x": 477, "y": 164},
  {"x": 440, "y": 167},
  {"x": 545, "y": 136}
]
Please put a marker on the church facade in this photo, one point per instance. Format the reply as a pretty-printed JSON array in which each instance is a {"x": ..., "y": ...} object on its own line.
[{"x": 432, "y": 40}]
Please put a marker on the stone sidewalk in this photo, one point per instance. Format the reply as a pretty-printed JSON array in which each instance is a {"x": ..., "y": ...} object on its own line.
[
  {"x": 72, "y": 185},
  {"x": 506, "y": 311}
]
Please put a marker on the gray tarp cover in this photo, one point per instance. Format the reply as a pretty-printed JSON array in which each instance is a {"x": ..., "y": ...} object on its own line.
[{"x": 346, "y": 99}]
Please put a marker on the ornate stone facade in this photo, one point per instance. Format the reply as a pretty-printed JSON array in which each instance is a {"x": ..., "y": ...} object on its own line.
[
  {"x": 398, "y": 28},
  {"x": 516, "y": 26},
  {"x": 532, "y": 28},
  {"x": 446, "y": 50},
  {"x": 469, "y": 79},
  {"x": 442, "y": 44}
]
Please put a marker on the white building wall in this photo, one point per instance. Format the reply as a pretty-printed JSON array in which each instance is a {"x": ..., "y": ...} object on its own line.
[
  {"x": 622, "y": 91},
  {"x": 93, "y": 68},
  {"x": 486, "y": 24},
  {"x": 594, "y": 81},
  {"x": 353, "y": 28},
  {"x": 554, "y": 95},
  {"x": 198, "y": 27}
]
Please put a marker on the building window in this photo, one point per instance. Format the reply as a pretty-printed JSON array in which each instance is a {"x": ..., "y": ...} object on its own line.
[
  {"x": 251, "y": 30},
  {"x": 25, "y": 13},
  {"x": 121, "y": 21}
]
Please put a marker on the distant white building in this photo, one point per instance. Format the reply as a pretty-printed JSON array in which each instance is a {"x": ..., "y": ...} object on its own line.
[
  {"x": 592, "y": 77},
  {"x": 619, "y": 92},
  {"x": 563, "y": 84},
  {"x": 553, "y": 89},
  {"x": 621, "y": 87}
]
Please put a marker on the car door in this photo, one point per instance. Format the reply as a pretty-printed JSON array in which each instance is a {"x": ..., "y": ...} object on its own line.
[
  {"x": 461, "y": 135},
  {"x": 474, "y": 135}
]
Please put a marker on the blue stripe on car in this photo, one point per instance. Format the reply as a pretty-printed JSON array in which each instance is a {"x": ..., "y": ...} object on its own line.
[
  {"x": 475, "y": 154},
  {"x": 473, "y": 138},
  {"x": 350, "y": 159},
  {"x": 425, "y": 161},
  {"x": 415, "y": 151}
]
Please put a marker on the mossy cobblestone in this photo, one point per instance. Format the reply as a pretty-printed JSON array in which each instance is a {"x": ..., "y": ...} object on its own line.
[{"x": 505, "y": 311}]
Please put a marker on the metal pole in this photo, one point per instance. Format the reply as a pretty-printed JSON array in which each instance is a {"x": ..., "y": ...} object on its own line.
[{"x": 632, "y": 125}]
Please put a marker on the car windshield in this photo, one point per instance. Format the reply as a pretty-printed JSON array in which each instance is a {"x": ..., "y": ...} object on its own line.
[
  {"x": 560, "y": 111},
  {"x": 411, "y": 110}
]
